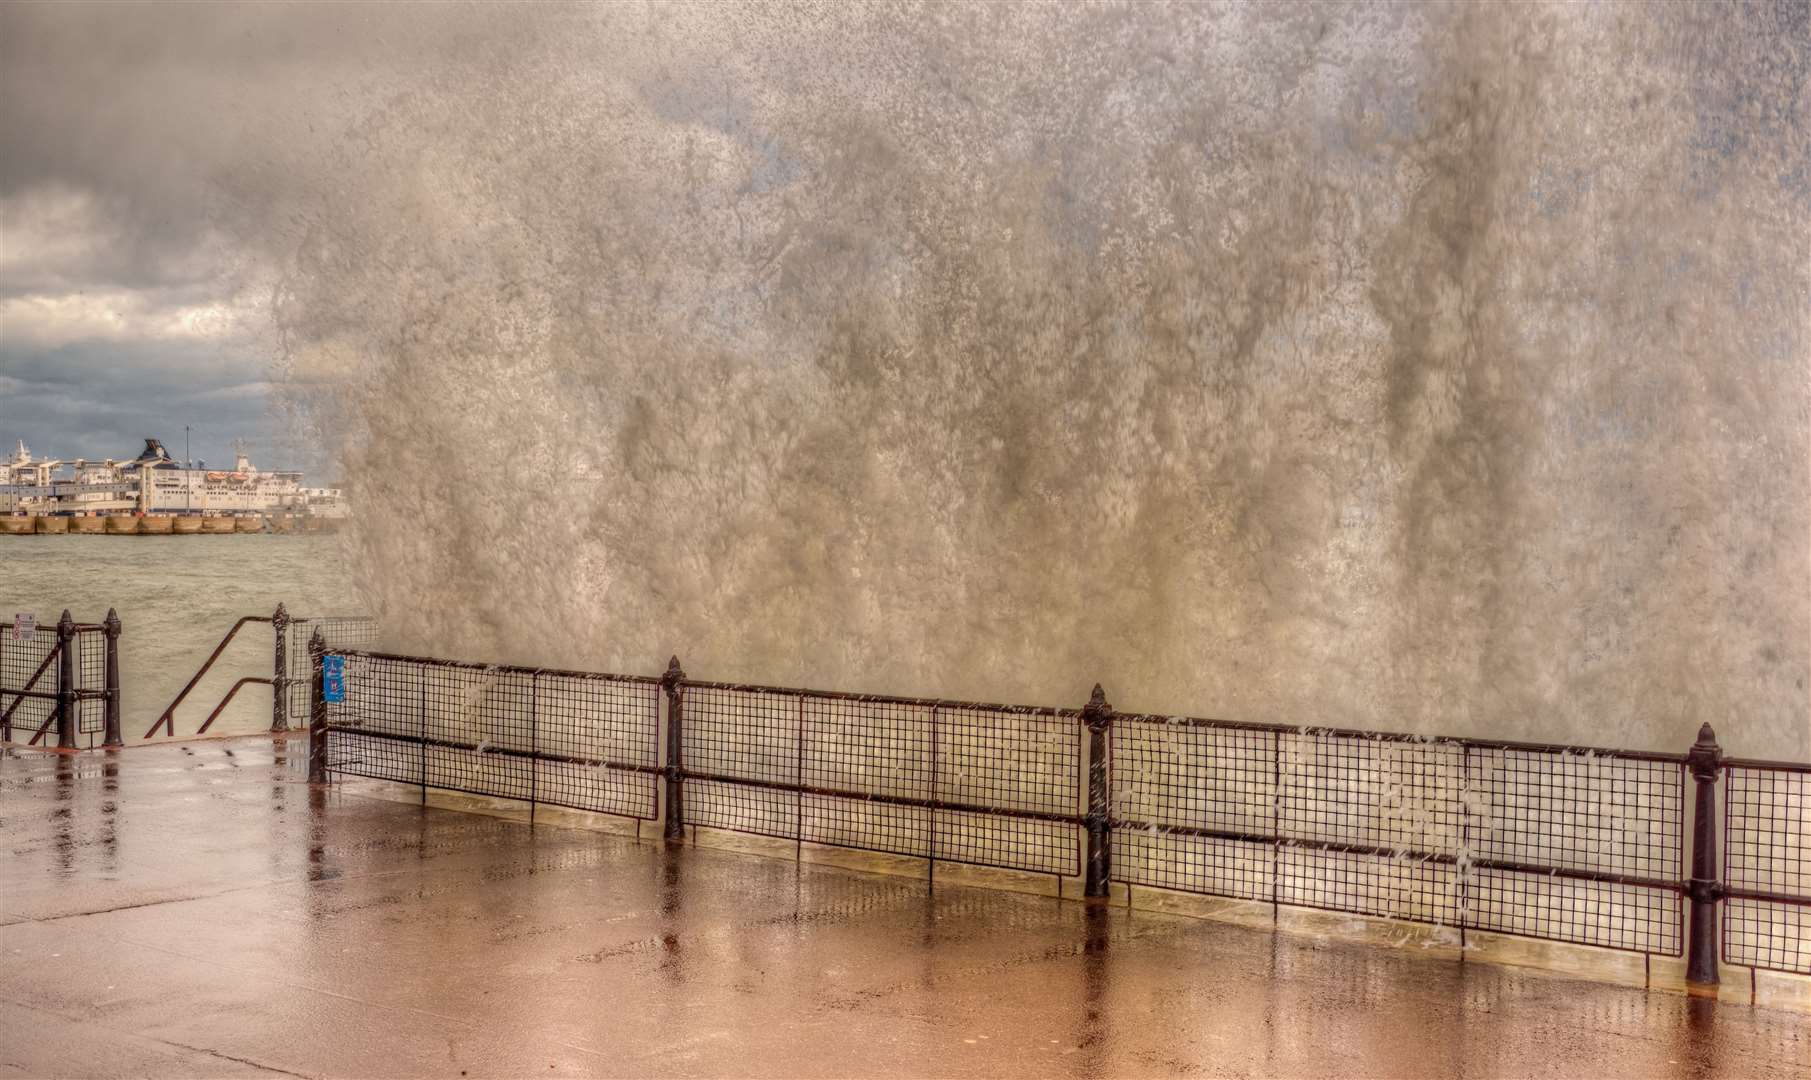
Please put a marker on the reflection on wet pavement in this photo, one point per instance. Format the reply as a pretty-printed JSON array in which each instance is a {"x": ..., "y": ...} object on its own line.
[{"x": 195, "y": 910}]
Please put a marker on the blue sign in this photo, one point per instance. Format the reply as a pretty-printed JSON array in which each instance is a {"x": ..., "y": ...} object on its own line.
[{"x": 333, "y": 678}]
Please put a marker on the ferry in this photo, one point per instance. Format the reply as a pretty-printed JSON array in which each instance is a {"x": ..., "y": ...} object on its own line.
[{"x": 156, "y": 484}]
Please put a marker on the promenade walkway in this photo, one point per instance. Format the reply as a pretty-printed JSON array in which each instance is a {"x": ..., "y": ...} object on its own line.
[{"x": 195, "y": 909}]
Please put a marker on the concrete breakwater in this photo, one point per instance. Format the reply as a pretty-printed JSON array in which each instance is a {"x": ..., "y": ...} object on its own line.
[{"x": 164, "y": 525}]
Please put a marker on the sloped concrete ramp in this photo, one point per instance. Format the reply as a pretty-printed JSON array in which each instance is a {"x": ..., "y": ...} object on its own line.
[{"x": 196, "y": 910}]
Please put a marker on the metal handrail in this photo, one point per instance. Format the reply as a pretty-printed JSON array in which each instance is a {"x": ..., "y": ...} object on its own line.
[
  {"x": 218, "y": 709},
  {"x": 168, "y": 717}
]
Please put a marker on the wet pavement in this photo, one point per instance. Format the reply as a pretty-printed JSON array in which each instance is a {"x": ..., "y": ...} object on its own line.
[{"x": 197, "y": 910}]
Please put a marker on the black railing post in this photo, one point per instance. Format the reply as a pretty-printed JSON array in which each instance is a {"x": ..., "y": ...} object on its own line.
[
  {"x": 317, "y": 711},
  {"x": 111, "y": 630},
  {"x": 672, "y": 682},
  {"x": 1705, "y": 890},
  {"x": 1098, "y": 716},
  {"x": 66, "y": 682},
  {"x": 279, "y": 676}
]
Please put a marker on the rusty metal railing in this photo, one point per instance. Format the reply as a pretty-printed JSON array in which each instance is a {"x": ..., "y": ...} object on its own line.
[
  {"x": 1563, "y": 843},
  {"x": 66, "y": 677},
  {"x": 167, "y": 719},
  {"x": 286, "y": 679}
]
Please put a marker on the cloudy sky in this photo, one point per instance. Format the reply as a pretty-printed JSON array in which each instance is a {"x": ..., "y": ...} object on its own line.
[{"x": 139, "y": 147}]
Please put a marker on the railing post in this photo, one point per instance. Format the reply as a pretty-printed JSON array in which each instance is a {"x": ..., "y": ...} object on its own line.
[
  {"x": 672, "y": 682},
  {"x": 111, "y": 630},
  {"x": 279, "y": 678},
  {"x": 1098, "y": 716},
  {"x": 317, "y": 712},
  {"x": 66, "y": 682},
  {"x": 1705, "y": 890}
]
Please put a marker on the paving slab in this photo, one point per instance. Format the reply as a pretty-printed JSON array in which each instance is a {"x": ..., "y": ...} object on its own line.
[{"x": 198, "y": 910}]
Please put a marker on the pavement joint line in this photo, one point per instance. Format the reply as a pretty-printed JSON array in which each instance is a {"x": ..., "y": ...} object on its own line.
[
  {"x": 324, "y": 992},
  {"x": 82, "y": 1021},
  {"x": 273, "y": 982},
  {"x": 420, "y": 869},
  {"x": 145, "y": 904},
  {"x": 230, "y": 1057},
  {"x": 184, "y": 899}
]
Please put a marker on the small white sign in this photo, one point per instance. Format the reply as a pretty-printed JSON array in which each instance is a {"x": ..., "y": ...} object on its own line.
[{"x": 25, "y": 626}]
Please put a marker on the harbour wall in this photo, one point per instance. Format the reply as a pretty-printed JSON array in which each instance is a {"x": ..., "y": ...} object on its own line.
[{"x": 164, "y": 525}]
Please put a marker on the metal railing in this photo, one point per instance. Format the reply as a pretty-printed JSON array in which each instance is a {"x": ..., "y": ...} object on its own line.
[
  {"x": 64, "y": 677},
  {"x": 1766, "y": 866},
  {"x": 967, "y": 782},
  {"x": 561, "y": 738},
  {"x": 1561, "y": 843},
  {"x": 1557, "y": 842},
  {"x": 289, "y": 677},
  {"x": 293, "y": 692}
]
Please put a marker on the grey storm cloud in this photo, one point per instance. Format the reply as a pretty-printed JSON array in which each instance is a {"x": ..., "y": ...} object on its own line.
[
  {"x": 85, "y": 400},
  {"x": 150, "y": 160},
  {"x": 171, "y": 115}
]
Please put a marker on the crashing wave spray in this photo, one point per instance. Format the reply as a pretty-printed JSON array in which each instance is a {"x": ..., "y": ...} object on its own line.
[{"x": 1427, "y": 368}]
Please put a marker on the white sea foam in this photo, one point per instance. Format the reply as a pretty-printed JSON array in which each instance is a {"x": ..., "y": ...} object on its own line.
[{"x": 1410, "y": 367}]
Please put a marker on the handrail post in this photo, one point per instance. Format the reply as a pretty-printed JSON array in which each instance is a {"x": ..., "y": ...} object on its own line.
[
  {"x": 1098, "y": 716},
  {"x": 110, "y": 629},
  {"x": 66, "y": 682},
  {"x": 317, "y": 712},
  {"x": 279, "y": 677},
  {"x": 1704, "y": 759},
  {"x": 673, "y": 683}
]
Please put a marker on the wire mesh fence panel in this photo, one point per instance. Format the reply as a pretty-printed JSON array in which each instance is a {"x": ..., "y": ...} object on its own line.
[
  {"x": 865, "y": 824},
  {"x": 1189, "y": 862},
  {"x": 597, "y": 744},
  {"x": 1553, "y": 837},
  {"x": 90, "y": 645},
  {"x": 588, "y": 742},
  {"x": 480, "y": 731},
  {"x": 339, "y": 633},
  {"x": 1577, "y": 910},
  {"x": 1022, "y": 764},
  {"x": 853, "y": 751},
  {"x": 1370, "y": 825},
  {"x": 32, "y": 664},
  {"x": 1767, "y": 868},
  {"x": 742, "y": 808},
  {"x": 960, "y": 782},
  {"x": 1536, "y": 842},
  {"x": 375, "y": 731},
  {"x": 1009, "y": 759},
  {"x": 752, "y": 738},
  {"x": 867, "y": 747},
  {"x": 27, "y": 664},
  {"x": 1033, "y": 845},
  {"x": 1182, "y": 796},
  {"x": 1403, "y": 886}
]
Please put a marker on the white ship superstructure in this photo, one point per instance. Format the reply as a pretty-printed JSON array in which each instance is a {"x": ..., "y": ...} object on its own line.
[
  {"x": 155, "y": 483},
  {"x": 171, "y": 488}
]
